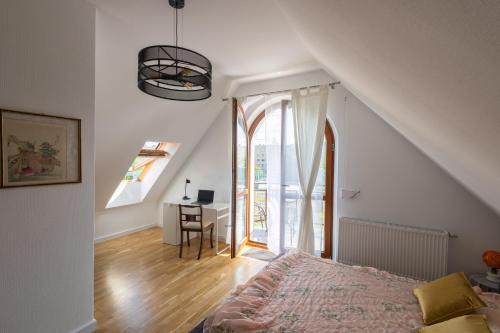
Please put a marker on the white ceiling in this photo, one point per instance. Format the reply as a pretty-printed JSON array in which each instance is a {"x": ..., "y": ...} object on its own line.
[
  {"x": 429, "y": 68},
  {"x": 241, "y": 38}
]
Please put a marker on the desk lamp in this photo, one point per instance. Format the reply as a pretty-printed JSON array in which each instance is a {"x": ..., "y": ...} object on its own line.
[{"x": 185, "y": 197}]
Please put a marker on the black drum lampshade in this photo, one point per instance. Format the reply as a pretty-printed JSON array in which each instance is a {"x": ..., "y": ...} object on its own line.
[{"x": 174, "y": 72}]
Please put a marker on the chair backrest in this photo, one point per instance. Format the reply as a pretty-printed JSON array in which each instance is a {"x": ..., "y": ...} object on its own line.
[
  {"x": 190, "y": 213},
  {"x": 259, "y": 213}
]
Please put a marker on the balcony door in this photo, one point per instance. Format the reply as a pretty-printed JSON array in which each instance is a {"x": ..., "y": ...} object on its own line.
[
  {"x": 265, "y": 133},
  {"x": 239, "y": 200}
]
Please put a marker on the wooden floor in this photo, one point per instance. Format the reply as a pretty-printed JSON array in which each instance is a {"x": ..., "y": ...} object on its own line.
[{"x": 140, "y": 284}]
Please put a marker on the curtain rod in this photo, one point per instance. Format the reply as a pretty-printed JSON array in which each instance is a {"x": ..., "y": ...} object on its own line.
[{"x": 331, "y": 84}]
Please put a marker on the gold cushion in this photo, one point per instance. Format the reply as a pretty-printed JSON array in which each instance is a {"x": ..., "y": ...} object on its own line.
[
  {"x": 448, "y": 297},
  {"x": 464, "y": 324}
]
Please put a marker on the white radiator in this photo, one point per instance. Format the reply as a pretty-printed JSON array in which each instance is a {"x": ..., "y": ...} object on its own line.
[{"x": 403, "y": 250}]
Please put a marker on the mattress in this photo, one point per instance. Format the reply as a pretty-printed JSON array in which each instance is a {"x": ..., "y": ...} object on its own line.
[{"x": 302, "y": 293}]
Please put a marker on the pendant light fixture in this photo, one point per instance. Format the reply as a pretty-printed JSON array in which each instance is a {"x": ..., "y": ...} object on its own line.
[{"x": 173, "y": 72}]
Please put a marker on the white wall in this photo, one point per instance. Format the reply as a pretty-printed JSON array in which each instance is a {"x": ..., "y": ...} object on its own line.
[
  {"x": 398, "y": 183},
  {"x": 209, "y": 165},
  {"x": 119, "y": 221},
  {"x": 46, "y": 232},
  {"x": 126, "y": 118}
]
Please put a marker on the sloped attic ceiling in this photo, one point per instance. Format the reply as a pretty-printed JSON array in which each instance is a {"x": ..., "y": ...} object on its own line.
[
  {"x": 429, "y": 68},
  {"x": 241, "y": 38}
]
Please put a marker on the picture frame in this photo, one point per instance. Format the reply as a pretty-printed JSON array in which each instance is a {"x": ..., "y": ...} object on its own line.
[{"x": 39, "y": 149}]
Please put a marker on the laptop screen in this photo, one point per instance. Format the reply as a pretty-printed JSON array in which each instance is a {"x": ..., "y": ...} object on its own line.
[{"x": 206, "y": 196}]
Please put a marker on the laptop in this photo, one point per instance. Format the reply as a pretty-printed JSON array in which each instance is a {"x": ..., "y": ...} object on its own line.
[{"x": 205, "y": 197}]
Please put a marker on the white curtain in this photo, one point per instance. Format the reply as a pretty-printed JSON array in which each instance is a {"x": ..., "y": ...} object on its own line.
[
  {"x": 309, "y": 117},
  {"x": 273, "y": 131}
]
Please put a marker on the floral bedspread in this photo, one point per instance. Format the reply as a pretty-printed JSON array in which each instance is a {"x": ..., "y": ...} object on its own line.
[
  {"x": 302, "y": 293},
  {"x": 492, "y": 312}
]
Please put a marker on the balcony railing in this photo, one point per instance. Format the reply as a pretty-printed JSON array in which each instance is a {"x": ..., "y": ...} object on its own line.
[{"x": 258, "y": 228}]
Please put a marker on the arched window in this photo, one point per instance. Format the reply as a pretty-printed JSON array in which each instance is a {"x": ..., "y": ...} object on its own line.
[{"x": 258, "y": 208}]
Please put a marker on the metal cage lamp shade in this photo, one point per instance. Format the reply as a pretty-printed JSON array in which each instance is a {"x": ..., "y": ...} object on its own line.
[{"x": 174, "y": 72}]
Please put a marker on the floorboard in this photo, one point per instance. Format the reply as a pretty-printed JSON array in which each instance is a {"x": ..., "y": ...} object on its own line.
[{"x": 140, "y": 284}]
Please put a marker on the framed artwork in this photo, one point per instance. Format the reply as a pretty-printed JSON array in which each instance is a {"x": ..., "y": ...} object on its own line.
[{"x": 38, "y": 149}]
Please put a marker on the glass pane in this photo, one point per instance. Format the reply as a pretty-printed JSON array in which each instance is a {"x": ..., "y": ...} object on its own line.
[
  {"x": 291, "y": 217},
  {"x": 241, "y": 179},
  {"x": 318, "y": 204},
  {"x": 241, "y": 203},
  {"x": 241, "y": 155},
  {"x": 136, "y": 170},
  {"x": 319, "y": 225},
  {"x": 151, "y": 145},
  {"x": 259, "y": 210},
  {"x": 292, "y": 188}
]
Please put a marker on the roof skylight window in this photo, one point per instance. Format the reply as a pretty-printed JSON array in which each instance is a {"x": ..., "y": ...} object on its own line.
[{"x": 143, "y": 173}]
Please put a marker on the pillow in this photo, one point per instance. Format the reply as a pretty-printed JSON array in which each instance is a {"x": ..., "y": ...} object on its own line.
[
  {"x": 448, "y": 297},
  {"x": 464, "y": 324}
]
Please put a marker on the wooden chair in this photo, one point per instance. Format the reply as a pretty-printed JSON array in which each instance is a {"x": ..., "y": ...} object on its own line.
[
  {"x": 260, "y": 216},
  {"x": 191, "y": 220}
]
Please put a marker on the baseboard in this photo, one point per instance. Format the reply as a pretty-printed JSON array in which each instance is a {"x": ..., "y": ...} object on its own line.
[
  {"x": 89, "y": 327},
  {"x": 124, "y": 232},
  {"x": 222, "y": 239}
]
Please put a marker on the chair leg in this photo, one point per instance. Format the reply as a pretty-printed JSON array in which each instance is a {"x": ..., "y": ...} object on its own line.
[
  {"x": 211, "y": 237},
  {"x": 187, "y": 232},
  {"x": 201, "y": 244},
  {"x": 182, "y": 241}
]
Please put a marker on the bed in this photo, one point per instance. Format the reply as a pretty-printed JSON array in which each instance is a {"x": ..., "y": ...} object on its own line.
[{"x": 302, "y": 293}]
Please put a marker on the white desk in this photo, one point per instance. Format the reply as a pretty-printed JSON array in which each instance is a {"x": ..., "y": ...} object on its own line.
[{"x": 216, "y": 212}]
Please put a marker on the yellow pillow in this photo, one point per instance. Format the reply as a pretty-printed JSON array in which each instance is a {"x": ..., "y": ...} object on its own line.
[
  {"x": 448, "y": 297},
  {"x": 464, "y": 324}
]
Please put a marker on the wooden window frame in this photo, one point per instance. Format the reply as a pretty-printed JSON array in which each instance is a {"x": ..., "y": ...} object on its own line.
[{"x": 235, "y": 195}]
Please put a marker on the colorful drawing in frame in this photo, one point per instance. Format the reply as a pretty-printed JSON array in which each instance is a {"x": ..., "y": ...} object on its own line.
[{"x": 39, "y": 149}]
